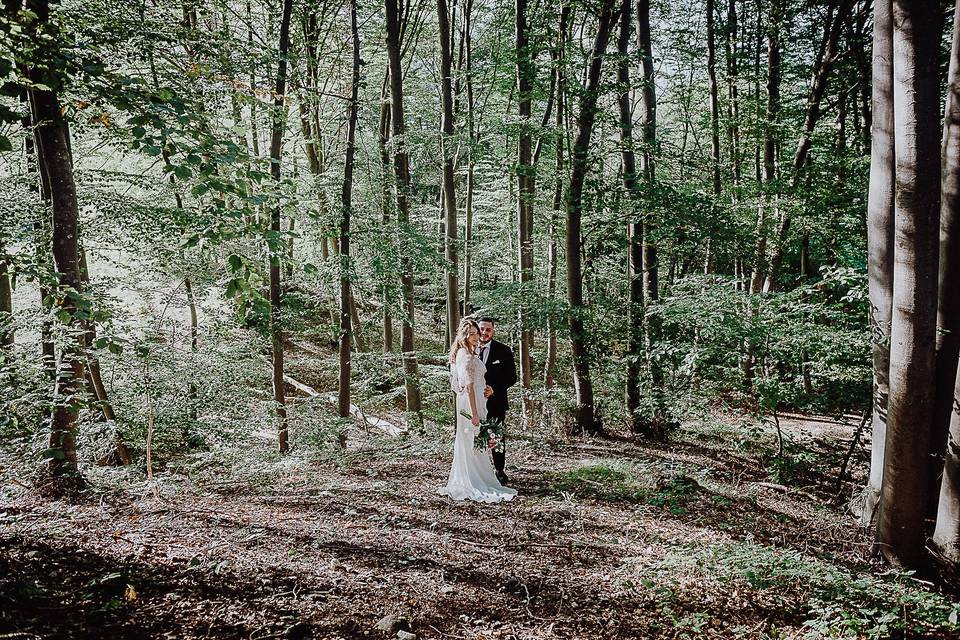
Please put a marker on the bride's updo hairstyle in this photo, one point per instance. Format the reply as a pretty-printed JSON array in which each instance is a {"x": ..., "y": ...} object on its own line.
[{"x": 463, "y": 333}]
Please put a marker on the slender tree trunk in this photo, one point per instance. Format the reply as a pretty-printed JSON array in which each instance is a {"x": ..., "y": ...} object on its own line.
[
  {"x": 714, "y": 123},
  {"x": 818, "y": 87},
  {"x": 880, "y": 250},
  {"x": 586, "y": 419},
  {"x": 449, "y": 178},
  {"x": 401, "y": 167},
  {"x": 916, "y": 39},
  {"x": 526, "y": 194},
  {"x": 346, "y": 200},
  {"x": 634, "y": 228},
  {"x": 556, "y": 211},
  {"x": 53, "y": 147},
  {"x": 946, "y": 427},
  {"x": 194, "y": 335},
  {"x": 386, "y": 196},
  {"x": 467, "y": 44},
  {"x": 769, "y": 144},
  {"x": 733, "y": 97},
  {"x": 651, "y": 263},
  {"x": 6, "y": 301},
  {"x": 275, "y": 249}
]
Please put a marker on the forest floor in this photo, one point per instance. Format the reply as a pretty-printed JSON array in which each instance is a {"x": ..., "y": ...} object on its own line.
[{"x": 706, "y": 536}]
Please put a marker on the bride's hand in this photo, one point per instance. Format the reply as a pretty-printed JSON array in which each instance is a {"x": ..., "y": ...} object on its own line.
[{"x": 475, "y": 421}]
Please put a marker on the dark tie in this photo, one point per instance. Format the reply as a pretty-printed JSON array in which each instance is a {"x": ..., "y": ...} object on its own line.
[{"x": 483, "y": 352}]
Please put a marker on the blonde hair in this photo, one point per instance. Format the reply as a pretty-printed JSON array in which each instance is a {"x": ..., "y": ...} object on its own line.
[{"x": 463, "y": 333}]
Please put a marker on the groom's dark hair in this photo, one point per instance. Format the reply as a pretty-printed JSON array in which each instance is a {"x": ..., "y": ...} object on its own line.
[{"x": 489, "y": 319}]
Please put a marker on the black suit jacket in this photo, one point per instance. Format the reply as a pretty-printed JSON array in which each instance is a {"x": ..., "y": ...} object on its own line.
[{"x": 501, "y": 375}]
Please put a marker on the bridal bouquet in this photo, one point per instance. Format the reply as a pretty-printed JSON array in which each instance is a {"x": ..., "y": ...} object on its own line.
[{"x": 489, "y": 435}]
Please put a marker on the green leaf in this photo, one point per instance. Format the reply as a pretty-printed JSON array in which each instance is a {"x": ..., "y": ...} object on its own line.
[
  {"x": 64, "y": 316},
  {"x": 183, "y": 172},
  {"x": 5, "y": 144},
  {"x": 199, "y": 189}
]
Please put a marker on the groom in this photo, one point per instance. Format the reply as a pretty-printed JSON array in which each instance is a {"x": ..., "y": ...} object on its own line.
[{"x": 501, "y": 375}]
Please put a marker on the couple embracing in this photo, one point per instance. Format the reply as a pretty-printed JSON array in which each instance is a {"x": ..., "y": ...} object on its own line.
[{"x": 481, "y": 371}]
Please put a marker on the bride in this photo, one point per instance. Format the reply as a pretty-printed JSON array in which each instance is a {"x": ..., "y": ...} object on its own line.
[{"x": 472, "y": 476}]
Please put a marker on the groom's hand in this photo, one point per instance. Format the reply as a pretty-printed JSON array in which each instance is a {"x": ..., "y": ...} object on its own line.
[{"x": 487, "y": 391}]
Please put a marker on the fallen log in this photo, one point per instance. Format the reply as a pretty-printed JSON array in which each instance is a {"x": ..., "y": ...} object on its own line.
[{"x": 371, "y": 421}]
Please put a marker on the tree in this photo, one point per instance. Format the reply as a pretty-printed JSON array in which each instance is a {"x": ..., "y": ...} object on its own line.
[
  {"x": 346, "y": 199},
  {"x": 401, "y": 168},
  {"x": 946, "y": 536},
  {"x": 275, "y": 244},
  {"x": 818, "y": 86},
  {"x": 904, "y": 492},
  {"x": 56, "y": 161},
  {"x": 526, "y": 192},
  {"x": 449, "y": 179},
  {"x": 634, "y": 227},
  {"x": 585, "y": 417},
  {"x": 714, "y": 118}
]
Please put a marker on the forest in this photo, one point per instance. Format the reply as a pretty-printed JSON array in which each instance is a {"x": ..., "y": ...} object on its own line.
[{"x": 239, "y": 238}]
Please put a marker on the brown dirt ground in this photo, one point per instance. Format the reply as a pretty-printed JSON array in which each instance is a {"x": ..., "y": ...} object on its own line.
[{"x": 324, "y": 548}]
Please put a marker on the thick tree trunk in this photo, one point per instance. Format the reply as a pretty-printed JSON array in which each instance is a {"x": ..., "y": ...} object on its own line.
[
  {"x": 346, "y": 208},
  {"x": 53, "y": 147},
  {"x": 585, "y": 418},
  {"x": 449, "y": 179},
  {"x": 818, "y": 88},
  {"x": 401, "y": 168},
  {"x": 526, "y": 193},
  {"x": 916, "y": 38},
  {"x": 276, "y": 248},
  {"x": 634, "y": 228},
  {"x": 880, "y": 219}
]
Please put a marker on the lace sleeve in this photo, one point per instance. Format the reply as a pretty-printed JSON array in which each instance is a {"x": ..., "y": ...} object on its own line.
[{"x": 465, "y": 368}]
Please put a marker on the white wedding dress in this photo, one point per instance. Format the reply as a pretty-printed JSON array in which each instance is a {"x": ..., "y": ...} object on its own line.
[{"x": 472, "y": 476}]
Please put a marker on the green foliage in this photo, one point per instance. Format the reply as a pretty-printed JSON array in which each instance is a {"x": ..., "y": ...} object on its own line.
[{"x": 832, "y": 601}]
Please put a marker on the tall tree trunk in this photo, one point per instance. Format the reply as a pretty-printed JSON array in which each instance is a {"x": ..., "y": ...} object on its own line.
[
  {"x": 586, "y": 419},
  {"x": 733, "y": 92},
  {"x": 651, "y": 264},
  {"x": 276, "y": 247},
  {"x": 449, "y": 179},
  {"x": 769, "y": 144},
  {"x": 944, "y": 445},
  {"x": 386, "y": 195},
  {"x": 471, "y": 158},
  {"x": 53, "y": 148},
  {"x": 634, "y": 228},
  {"x": 559, "y": 61},
  {"x": 526, "y": 193},
  {"x": 880, "y": 219},
  {"x": 916, "y": 38},
  {"x": 818, "y": 87},
  {"x": 401, "y": 168},
  {"x": 714, "y": 123},
  {"x": 346, "y": 209}
]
